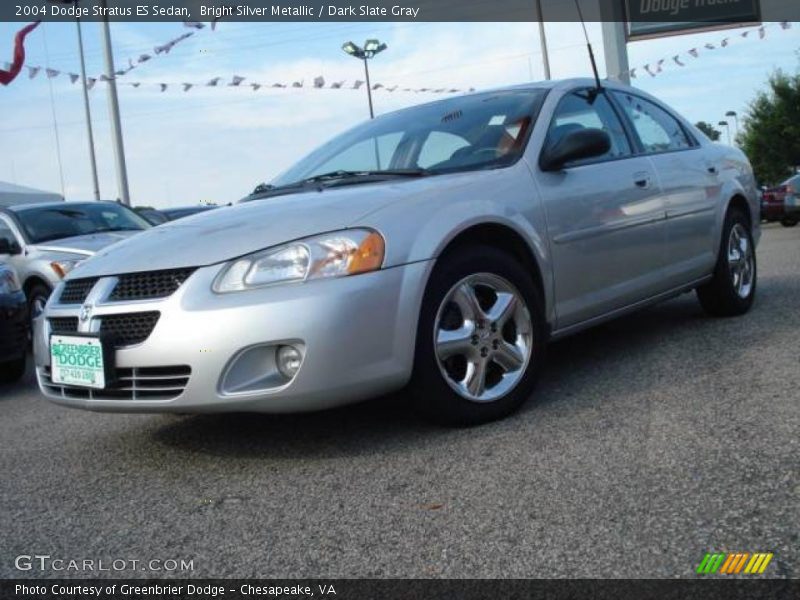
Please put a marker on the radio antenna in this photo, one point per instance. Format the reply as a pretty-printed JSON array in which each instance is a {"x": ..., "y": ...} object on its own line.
[{"x": 589, "y": 47}]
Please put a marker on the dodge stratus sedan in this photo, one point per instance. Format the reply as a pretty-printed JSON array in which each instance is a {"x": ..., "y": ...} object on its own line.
[{"x": 437, "y": 248}]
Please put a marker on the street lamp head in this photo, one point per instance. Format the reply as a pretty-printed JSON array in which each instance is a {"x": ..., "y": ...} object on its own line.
[
  {"x": 353, "y": 50},
  {"x": 373, "y": 47},
  {"x": 724, "y": 123},
  {"x": 730, "y": 113}
]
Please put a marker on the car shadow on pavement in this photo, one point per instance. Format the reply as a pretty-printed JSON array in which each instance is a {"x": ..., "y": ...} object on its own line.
[{"x": 615, "y": 352}]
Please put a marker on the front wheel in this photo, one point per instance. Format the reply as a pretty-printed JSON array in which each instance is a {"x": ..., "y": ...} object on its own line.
[
  {"x": 788, "y": 222},
  {"x": 733, "y": 286},
  {"x": 480, "y": 341},
  {"x": 12, "y": 371}
]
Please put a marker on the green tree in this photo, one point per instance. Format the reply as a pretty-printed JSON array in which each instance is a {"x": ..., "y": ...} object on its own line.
[
  {"x": 707, "y": 128},
  {"x": 771, "y": 132}
]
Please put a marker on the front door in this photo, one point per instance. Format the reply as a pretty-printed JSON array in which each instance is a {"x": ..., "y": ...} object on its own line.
[{"x": 605, "y": 218}]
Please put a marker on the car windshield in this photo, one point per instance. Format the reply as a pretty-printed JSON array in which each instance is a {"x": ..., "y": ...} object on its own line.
[
  {"x": 793, "y": 181},
  {"x": 46, "y": 223},
  {"x": 465, "y": 133}
]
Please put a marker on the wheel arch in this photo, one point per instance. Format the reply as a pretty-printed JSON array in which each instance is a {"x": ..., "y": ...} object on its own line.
[
  {"x": 506, "y": 238},
  {"x": 33, "y": 280}
]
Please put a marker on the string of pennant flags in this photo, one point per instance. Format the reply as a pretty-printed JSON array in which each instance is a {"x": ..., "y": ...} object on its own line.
[{"x": 653, "y": 69}]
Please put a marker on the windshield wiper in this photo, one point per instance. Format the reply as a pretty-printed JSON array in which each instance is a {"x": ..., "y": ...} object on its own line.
[{"x": 342, "y": 174}]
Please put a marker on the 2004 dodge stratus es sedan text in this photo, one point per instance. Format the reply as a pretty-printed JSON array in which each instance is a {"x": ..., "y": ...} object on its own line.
[{"x": 439, "y": 247}]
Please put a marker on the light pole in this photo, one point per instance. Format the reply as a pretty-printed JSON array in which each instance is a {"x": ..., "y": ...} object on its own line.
[
  {"x": 727, "y": 127},
  {"x": 732, "y": 113},
  {"x": 370, "y": 49},
  {"x": 86, "y": 108},
  {"x": 113, "y": 109},
  {"x": 543, "y": 41}
]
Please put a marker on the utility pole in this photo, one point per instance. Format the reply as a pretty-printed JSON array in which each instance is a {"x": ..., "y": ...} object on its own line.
[
  {"x": 543, "y": 40},
  {"x": 113, "y": 109},
  {"x": 615, "y": 41},
  {"x": 370, "y": 49},
  {"x": 88, "y": 111}
]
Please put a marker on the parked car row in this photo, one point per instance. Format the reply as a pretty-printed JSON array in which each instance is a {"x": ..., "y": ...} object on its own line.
[
  {"x": 164, "y": 215},
  {"x": 782, "y": 203}
]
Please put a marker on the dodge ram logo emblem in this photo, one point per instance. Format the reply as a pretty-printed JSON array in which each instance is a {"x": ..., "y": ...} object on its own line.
[{"x": 86, "y": 312}]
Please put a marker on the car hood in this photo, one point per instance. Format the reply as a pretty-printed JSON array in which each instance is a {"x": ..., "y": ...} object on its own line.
[
  {"x": 229, "y": 232},
  {"x": 86, "y": 245}
]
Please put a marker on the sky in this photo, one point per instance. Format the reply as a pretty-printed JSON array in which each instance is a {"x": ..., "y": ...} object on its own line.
[{"x": 214, "y": 144}]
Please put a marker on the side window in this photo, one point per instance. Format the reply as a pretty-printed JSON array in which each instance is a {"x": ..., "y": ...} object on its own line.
[
  {"x": 575, "y": 111},
  {"x": 367, "y": 155},
  {"x": 6, "y": 233},
  {"x": 439, "y": 146},
  {"x": 658, "y": 130}
]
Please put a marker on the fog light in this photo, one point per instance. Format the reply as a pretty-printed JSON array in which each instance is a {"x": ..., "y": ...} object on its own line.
[{"x": 289, "y": 360}]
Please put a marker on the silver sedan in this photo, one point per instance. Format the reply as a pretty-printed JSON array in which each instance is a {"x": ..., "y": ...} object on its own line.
[{"x": 439, "y": 248}]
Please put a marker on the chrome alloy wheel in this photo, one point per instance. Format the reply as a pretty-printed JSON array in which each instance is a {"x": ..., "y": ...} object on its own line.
[
  {"x": 483, "y": 337},
  {"x": 741, "y": 261}
]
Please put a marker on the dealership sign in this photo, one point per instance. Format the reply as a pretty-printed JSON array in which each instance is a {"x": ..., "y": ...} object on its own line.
[{"x": 652, "y": 18}]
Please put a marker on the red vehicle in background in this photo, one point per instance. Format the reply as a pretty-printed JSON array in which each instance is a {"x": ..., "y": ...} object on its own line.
[{"x": 782, "y": 203}]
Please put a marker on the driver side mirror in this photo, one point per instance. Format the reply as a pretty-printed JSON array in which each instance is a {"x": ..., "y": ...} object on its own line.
[
  {"x": 9, "y": 247},
  {"x": 577, "y": 145}
]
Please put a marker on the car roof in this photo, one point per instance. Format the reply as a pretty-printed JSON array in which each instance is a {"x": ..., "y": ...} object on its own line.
[{"x": 17, "y": 208}]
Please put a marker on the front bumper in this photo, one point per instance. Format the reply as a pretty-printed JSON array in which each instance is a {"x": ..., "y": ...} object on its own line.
[
  {"x": 13, "y": 326},
  {"x": 358, "y": 335}
]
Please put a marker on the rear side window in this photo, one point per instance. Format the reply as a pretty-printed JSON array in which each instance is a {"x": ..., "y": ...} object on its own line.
[
  {"x": 658, "y": 130},
  {"x": 577, "y": 111},
  {"x": 6, "y": 233}
]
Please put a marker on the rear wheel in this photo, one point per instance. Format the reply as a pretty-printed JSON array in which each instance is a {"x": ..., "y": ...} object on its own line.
[
  {"x": 480, "y": 340},
  {"x": 788, "y": 222},
  {"x": 732, "y": 289},
  {"x": 12, "y": 371}
]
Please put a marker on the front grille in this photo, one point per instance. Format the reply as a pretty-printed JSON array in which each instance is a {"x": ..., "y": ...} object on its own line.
[
  {"x": 63, "y": 324},
  {"x": 75, "y": 291},
  {"x": 129, "y": 329},
  {"x": 151, "y": 284},
  {"x": 137, "y": 383}
]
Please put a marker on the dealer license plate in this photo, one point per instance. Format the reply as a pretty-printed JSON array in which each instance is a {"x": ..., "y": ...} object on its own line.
[{"x": 77, "y": 361}]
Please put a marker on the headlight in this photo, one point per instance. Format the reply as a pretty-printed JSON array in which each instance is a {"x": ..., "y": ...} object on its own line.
[
  {"x": 62, "y": 267},
  {"x": 9, "y": 284},
  {"x": 335, "y": 254}
]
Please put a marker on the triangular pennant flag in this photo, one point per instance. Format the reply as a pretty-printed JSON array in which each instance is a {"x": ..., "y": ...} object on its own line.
[
  {"x": 391, "y": 89},
  {"x": 255, "y": 86},
  {"x": 694, "y": 52},
  {"x": 678, "y": 60},
  {"x": 187, "y": 86},
  {"x": 236, "y": 80},
  {"x": 357, "y": 84},
  {"x": 104, "y": 77},
  {"x": 33, "y": 72},
  {"x": 90, "y": 82},
  {"x": 659, "y": 65},
  {"x": 144, "y": 58},
  {"x": 319, "y": 82},
  {"x": 649, "y": 72},
  {"x": 73, "y": 77},
  {"x": 745, "y": 33},
  {"x": 377, "y": 86},
  {"x": 439, "y": 91},
  {"x": 709, "y": 46},
  {"x": 724, "y": 43},
  {"x": 52, "y": 73},
  {"x": 761, "y": 33},
  {"x": 633, "y": 73},
  {"x": 213, "y": 82},
  {"x": 119, "y": 73},
  {"x": 786, "y": 25},
  {"x": 163, "y": 87},
  {"x": 337, "y": 84},
  {"x": 278, "y": 85},
  {"x": 136, "y": 84},
  {"x": 298, "y": 84},
  {"x": 193, "y": 24}
]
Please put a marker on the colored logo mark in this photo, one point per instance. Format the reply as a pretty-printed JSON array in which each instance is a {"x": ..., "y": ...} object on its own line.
[{"x": 734, "y": 562}]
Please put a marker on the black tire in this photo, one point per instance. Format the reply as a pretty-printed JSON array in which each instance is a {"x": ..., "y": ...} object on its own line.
[
  {"x": 788, "y": 222},
  {"x": 433, "y": 397},
  {"x": 36, "y": 293},
  {"x": 719, "y": 296},
  {"x": 12, "y": 371}
]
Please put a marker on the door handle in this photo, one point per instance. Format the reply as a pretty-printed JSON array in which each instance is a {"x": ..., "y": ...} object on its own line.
[{"x": 641, "y": 180}]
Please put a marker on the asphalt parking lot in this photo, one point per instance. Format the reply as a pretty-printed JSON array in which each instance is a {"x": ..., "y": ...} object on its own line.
[{"x": 651, "y": 440}]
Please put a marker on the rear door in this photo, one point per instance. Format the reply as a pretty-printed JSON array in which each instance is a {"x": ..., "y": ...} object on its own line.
[
  {"x": 689, "y": 177},
  {"x": 605, "y": 217}
]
